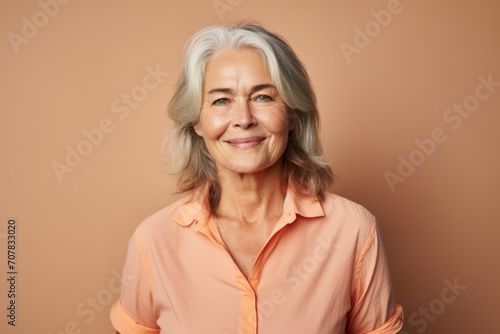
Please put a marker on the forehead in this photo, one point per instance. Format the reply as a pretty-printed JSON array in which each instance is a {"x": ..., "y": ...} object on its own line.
[{"x": 241, "y": 64}]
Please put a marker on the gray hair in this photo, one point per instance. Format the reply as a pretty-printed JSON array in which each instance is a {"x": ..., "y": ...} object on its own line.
[{"x": 304, "y": 166}]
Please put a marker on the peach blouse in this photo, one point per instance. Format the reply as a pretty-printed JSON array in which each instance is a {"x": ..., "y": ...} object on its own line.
[{"x": 323, "y": 270}]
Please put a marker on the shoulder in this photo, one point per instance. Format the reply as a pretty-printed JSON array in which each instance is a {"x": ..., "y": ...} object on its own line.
[
  {"x": 348, "y": 215},
  {"x": 336, "y": 204},
  {"x": 353, "y": 226},
  {"x": 161, "y": 221}
]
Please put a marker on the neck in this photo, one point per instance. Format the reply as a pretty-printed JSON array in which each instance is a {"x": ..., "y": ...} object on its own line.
[{"x": 250, "y": 199}]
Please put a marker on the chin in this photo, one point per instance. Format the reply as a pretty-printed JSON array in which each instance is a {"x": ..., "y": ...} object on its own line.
[{"x": 249, "y": 169}]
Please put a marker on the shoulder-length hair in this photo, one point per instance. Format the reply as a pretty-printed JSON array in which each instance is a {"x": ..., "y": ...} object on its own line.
[{"x": 304, "y": 167}]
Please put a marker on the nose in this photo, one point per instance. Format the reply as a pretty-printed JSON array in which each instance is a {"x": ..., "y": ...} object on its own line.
[{"x": 243, "y": 116}]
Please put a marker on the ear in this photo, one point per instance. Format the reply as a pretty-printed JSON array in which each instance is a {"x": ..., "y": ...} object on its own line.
[{"x": 197, "y": 129}]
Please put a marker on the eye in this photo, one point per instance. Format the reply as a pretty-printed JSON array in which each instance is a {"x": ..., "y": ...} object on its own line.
[
  {"x": 221, "y": 102},
  {"x": 263, "y": 98}
]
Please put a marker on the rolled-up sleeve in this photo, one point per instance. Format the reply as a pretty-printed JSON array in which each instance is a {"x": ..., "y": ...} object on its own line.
[
  {"x": 133, "y": 313},
  {"x": 374, "y": 310},
  {"x": 124, "y": 324}
]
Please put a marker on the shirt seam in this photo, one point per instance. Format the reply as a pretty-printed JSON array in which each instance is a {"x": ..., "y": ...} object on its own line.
[
  {"x": 361, "y": 261},
  {"x": 144, "y": 263}
]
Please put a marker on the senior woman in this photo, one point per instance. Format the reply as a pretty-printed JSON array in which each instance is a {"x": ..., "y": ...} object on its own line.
[{"x": 257, "y": 244}]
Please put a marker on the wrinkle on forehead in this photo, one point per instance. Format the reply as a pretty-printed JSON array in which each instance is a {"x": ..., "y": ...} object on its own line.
[{"x": 237, "y": 70}]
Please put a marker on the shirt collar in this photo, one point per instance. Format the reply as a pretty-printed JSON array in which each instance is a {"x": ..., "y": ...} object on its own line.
[
  {"x": 193, "y": 210},
  {"x": 306, "y": 206}
]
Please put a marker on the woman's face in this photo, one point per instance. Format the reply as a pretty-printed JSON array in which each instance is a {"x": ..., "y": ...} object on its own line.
[{"x": 243, "y": 120}]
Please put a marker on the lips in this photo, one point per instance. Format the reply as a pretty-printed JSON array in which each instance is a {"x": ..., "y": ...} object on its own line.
[{"x": 245, "y": 142}]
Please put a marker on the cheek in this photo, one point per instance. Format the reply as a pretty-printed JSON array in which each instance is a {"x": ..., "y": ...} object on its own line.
[
  {"x": 212, "y": 126},
  {"x": 277, "y": 123}
]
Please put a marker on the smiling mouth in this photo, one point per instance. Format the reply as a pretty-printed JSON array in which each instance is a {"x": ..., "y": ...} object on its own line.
[{"x": 245, "y": 142}]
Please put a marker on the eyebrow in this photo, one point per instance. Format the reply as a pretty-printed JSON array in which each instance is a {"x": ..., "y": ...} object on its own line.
[{"x": 230, "y": 91}]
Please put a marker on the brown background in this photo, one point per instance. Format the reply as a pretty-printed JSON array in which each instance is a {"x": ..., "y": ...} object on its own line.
[{"x": 439, "y": 225}]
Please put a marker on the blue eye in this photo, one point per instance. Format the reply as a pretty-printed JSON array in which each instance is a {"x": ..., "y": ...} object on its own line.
[
  {"x": 263, "y": 98},
  {"x": 221, "y": 102}
]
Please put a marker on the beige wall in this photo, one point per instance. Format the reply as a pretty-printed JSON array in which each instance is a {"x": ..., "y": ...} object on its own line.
[{"x": 378, "y": 95}]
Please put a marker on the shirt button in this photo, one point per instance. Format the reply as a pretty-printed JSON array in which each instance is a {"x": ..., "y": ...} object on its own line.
[{"x": 248, "y": 295}]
